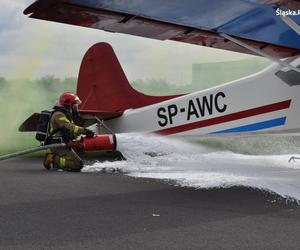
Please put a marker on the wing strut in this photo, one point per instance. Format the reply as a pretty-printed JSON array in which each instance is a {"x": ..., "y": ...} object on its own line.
[
  {"x": 293, "y": 25},
  {"x": 259, "y": 52}
]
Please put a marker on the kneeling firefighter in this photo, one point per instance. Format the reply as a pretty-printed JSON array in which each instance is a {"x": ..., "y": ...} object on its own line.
[{"x": 63, "y": 130}]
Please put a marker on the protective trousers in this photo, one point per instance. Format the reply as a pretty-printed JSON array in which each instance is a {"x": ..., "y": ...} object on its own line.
[{"x": 67, "y": 159}]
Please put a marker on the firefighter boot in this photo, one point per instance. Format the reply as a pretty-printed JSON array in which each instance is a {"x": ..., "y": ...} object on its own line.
[{"x": 48, "y": 161}]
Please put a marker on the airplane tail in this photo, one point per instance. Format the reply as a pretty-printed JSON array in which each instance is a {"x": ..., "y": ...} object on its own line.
[{"x": 103, "y": 86}]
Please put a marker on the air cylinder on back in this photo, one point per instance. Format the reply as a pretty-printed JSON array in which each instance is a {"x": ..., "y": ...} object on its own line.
[{"x": 106, "y": 142}]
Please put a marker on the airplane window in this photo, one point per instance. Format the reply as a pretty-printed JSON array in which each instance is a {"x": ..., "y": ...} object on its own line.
[{"x": 290, "y": 77}]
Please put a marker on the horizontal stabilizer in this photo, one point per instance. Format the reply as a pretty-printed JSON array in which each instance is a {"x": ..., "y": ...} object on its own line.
[{"x": 29, "y": 125}]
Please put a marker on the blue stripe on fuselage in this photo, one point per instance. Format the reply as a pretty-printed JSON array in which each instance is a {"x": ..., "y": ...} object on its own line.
[{"x": 255, "y": 126}]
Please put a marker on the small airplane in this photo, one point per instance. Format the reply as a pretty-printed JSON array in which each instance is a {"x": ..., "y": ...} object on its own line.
[{"x": 265, "y": 103}]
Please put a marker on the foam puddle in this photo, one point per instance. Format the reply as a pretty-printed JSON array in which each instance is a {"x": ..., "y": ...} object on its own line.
[{"x": 196, "y": 165}]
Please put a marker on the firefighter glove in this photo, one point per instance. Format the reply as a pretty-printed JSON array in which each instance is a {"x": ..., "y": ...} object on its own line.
[{"x": 89, "y": 133}]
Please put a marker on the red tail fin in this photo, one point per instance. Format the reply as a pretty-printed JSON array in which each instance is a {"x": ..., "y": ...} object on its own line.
[{"x": 103, "y": 86}]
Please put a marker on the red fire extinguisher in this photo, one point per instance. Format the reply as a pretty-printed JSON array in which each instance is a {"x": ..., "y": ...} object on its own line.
[{"x": 105, "y": 142}]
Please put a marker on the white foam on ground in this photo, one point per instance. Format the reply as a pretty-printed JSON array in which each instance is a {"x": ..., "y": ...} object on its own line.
[{"x": 196, "y": 165}]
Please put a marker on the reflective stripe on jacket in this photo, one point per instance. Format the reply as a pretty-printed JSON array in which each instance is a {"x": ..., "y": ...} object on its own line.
[{"x": 59, "y": 120}]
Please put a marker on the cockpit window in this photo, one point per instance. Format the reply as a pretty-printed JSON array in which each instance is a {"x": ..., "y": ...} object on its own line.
[{"x": 291, "y": 77}]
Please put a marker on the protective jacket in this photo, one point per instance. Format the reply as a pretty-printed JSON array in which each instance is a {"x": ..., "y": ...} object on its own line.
[{"x": 62, "y": 127}]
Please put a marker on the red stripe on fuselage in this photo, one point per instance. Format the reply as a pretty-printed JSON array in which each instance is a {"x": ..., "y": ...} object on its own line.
[{"x": 226, "y": 118}]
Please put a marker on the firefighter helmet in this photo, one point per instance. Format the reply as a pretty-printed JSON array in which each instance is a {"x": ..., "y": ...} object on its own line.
[{"x": 68, "y": 99}]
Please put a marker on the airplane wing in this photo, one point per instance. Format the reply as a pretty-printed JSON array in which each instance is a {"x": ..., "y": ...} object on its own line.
[{"x": 200, "y": 22}]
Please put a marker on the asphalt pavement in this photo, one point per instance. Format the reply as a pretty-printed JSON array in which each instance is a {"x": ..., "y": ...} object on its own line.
[{"x": 42, "y": 209}]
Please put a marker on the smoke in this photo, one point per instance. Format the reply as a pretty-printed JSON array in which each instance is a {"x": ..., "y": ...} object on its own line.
[
  {"x": 21, "y": 98},
  {"x": 16, "y": 99}
]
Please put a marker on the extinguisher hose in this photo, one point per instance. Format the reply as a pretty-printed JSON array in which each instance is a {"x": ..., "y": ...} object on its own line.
[{"x": 32, "y": 150}]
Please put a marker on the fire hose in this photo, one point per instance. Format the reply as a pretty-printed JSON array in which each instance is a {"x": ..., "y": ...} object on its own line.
[
  {"x": 32, "y": 150},
  {"x": 106, "y": 142}
]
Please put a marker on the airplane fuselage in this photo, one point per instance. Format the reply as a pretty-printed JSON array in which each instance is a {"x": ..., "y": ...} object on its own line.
[{"x": 260, "y": 103}]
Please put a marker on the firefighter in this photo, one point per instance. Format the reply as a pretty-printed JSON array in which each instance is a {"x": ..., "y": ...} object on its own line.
[{"x": 63, "y": 130}]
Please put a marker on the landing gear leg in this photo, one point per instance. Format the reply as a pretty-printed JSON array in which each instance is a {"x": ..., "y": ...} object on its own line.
[{"x": 117, "y": 155}]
